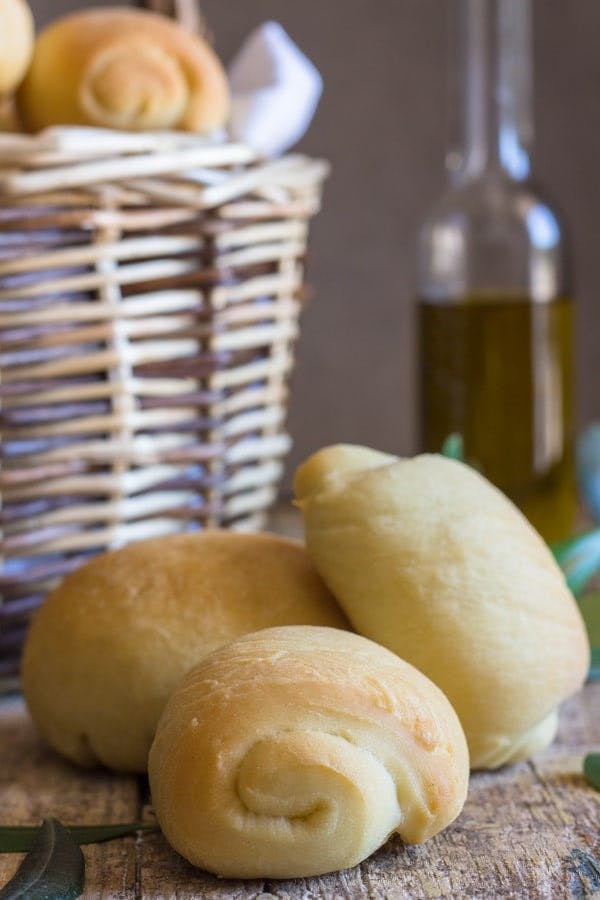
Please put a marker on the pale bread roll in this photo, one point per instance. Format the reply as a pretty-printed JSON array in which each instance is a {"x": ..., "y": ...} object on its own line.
[
  {"x": 297, "y": 751},
  {"x": 123, "y": 68},
  {"x": 16, "y": 43},
  {"x": 431, "y": 560},
  {"x": 112, "y": 642}
]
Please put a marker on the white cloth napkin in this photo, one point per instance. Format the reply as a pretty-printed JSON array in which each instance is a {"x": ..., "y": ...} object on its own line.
[{"x": 275, "y": 91}]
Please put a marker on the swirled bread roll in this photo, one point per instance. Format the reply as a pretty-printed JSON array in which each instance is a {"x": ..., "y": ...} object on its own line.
[
  {"x": 431, "y": 560},
  {"x": 297, "y": 751},
  {"x": 123, "y": 68},
  {"x": 16, "y": 43},
  {"x": 112, "y": 642}
]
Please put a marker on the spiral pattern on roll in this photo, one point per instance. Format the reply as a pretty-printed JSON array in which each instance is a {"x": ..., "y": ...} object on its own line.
[
  {"x": 135, "y": 86},
  {"x": 123, "y": 68},
  {"x": 297, "y": 751}
]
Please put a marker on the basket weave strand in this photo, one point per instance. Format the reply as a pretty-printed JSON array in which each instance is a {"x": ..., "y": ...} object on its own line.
[{"x": 150, "y": 287}]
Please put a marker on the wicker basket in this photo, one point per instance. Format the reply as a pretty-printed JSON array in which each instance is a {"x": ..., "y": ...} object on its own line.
[{"x": 149, "y": 293}]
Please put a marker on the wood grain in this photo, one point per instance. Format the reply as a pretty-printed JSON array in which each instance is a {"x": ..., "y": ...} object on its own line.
[{"x": 527, "y": 831}]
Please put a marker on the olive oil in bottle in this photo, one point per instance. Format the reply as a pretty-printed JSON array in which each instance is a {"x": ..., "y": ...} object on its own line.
[
  {"x": 495, "y": 314},
  {"x": 497, "y": 370}
]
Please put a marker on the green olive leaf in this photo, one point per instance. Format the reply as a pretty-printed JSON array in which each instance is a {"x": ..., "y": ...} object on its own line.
[
  {"x": 579, "y": 558},
  {"x": 591, "y": 770},
  {"x": 590, "y": 610},
  {"x": 454, "y": 447},
  {"x": 20, "y": 838},
  {"x": 52, "y": 870}
]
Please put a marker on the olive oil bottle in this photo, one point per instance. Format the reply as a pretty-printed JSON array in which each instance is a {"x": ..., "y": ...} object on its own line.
[{"x": 495, "y": 307}]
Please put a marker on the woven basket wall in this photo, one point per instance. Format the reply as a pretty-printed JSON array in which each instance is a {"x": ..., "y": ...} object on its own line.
[{"x": 149, "y": 294}]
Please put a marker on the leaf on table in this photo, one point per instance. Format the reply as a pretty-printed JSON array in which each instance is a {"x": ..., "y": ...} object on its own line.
[
  {"x": 52, "y": 870},
  {"x": 20, "y": 838},
  {"x": 579, "y": 558},
  {"x": 591, "y": 770}
]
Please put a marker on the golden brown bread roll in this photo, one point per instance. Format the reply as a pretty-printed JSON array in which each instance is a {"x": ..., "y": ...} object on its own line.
[
  {"x": 297, "y": 751},
  {"x": 429, "y": 559},
  {"x": 123, "y": 68},
  {"x": 16, "y": 43},
  {"x": 114, "y": 639},
  {"x": 9, "y": 120}
]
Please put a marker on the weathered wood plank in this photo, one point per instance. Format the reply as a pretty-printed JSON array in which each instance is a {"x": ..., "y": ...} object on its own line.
[
  {"x": 527, "y": 831},
  {"x": 34, "y": 782},
  {"x": 166, "y": 876}
]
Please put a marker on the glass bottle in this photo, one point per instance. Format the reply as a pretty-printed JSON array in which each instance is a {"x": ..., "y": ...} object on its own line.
[{"x": 495, "y": 311}]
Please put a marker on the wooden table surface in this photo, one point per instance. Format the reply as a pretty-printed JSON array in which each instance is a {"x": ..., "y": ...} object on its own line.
[{"x": 531, "y": 830}]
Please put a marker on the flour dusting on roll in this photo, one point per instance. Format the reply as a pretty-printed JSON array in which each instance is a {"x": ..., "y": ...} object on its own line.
[{"x": 297, "y": 751}]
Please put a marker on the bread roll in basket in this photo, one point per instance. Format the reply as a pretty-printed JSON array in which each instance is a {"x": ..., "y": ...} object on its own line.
[
  {"x": 297, "y": 751},
  {"x": 16, "y": 43},
  {"x": 123, "y": 68}
]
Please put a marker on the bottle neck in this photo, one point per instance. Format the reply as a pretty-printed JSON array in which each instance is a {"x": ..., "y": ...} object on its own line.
[{"x": 491, "y": 88}]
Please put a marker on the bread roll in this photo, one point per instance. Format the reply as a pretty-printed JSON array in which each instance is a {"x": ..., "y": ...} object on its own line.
[
  {"x": 112, "y": 642},
  {"x": 297, "y": 751},
  {"x": 9, "y": 120},
  {"x": 123, "y": 68},
  {"x": 16, "y": 43},
  {"x": 429, "y": 559}
]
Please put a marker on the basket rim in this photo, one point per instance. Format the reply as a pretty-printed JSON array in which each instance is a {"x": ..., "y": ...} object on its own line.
[
  {"x": 91, "y": 138},
  {"x": 76, "y": 156}
]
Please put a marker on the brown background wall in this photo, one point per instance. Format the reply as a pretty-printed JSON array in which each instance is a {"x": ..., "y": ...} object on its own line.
[{"x": 381, "y": 124}]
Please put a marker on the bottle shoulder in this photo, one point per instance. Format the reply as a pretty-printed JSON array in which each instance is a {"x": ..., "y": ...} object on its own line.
[
  {"x": 497, "y": 204},
  {"x": 493, "y": 232}
]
